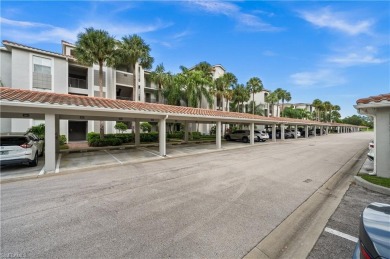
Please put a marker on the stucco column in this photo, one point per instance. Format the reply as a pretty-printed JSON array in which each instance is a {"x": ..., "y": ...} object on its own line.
[
  {"x": 252, "y": 133},
  {"x": 327, "y": 130},
  {"x": 282, "y": 131},
  {"x": 57, "y": 123},
  {"x": 306, "y": 131},
  {"x": 321, "y": 130},
  {"x": 162, "y": 136},
  {"x": 338, "y": 129},
  {"x": 137, "y": 138},
  {"x": 315, "y": 131},
  {"x": 218, "y": 135},
  {"x": 50, "y": 142},
  {"x": 186, "y": 131},
  {"x": 296, "y": 132},
  {"x": 274, "y": 132}
]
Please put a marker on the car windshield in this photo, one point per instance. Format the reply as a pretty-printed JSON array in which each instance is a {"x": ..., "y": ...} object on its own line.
[{"x": 13, "y": 141}]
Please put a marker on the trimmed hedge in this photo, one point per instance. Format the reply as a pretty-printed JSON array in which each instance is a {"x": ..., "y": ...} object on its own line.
[{"x": 119, "y": 139}]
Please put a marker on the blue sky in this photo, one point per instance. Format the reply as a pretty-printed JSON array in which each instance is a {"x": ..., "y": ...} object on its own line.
[{"x": 334, "y": 51}]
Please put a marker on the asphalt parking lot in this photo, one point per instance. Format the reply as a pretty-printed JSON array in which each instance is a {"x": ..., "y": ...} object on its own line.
[
  {"x": 86, "y": 160},
  {"x": 339, "y": 237}
]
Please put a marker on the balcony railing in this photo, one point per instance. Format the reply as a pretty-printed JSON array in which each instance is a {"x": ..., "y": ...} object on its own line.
[
  {"x": 127, "y": 98},
  {"x": 150, "y": 100},
  {"x": 124, "y": 78},
  {"x": 77, "y": 83}
]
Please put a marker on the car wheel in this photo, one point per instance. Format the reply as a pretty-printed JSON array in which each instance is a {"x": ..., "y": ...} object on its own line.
[
  {"x": 228, "y": 138},
  {"x": 245, "y": 140},
  {"x": 35, "y": 161},
  {"x": 259, "y": 139}
]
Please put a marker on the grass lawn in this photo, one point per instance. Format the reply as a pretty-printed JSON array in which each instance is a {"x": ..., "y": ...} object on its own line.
[{"x": 385, "y": 182}]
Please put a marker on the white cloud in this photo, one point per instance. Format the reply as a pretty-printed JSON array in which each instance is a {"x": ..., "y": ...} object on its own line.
[
  {"x": 352, "y": 59},
  {"x": 361, "y": 56},
  {"x": 31, "y": 32},
  {"x": 326, "y": 18},
  {"x": 319, "y": 79},
  {"x": 244, "y": 20}
]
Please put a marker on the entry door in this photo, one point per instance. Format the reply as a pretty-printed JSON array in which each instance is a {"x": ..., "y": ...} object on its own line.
[{"x": 78, "y": 130}]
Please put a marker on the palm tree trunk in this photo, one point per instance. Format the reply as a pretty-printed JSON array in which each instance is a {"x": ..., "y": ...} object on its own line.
[
  {"x": 101, "y": 95},
  {"x": 253, "y": 103}
]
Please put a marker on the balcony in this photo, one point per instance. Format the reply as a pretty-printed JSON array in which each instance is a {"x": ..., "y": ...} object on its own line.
[
  {"x": 124, "y": 78},
  {"x": 77, "y": 83},
  {"x": 150, "y": 100}
]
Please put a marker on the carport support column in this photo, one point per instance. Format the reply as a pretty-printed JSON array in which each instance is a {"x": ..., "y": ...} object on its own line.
[
  {"x": 51, "y": 133},
  {"x": 296, "y": 132},
  {"x": 218, "y": 135},
  {"x": 282, "y": 131},
  {"x": 186, "y": 124},
  {"x": 315, "y": 131},
  {"x": 338, "y": 129},
  {"x": 321, "y": 129},
  {"x": 162, "y": 136},
  {"x": 252, "y": 133},
  {"x": 274, "y": 132},
  {"x": 137, "y": 138},
  {"x": 306, "y": 131}
]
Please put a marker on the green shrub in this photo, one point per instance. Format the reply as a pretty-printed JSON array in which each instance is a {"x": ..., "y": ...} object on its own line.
[
  {"x": 120, "y": 126},
  {"x": 177, "y": 134},
  {"x": 63, "y": 140},
  {"x": 149, "y": 137},
  {"x": 105, "y": 142},
  {"x": 195, "y": 135},
  {"x": 125, "y": 137},
  {"x": 38, "y": 130},
  {"x": 146, "y": 127}
]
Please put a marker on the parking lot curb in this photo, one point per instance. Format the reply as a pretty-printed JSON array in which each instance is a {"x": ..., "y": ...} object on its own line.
[{"x": 370, "y": 186}]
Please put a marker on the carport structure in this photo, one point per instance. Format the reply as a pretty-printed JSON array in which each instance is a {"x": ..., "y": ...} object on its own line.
[{"x": 52, "y": 107}]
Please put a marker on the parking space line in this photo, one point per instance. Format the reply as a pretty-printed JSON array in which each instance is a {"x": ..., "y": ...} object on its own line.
[
  {"x": 340, "y": 234},
  {"x": 42, "y": 170},
  {"x": 58, "y": 164},
  {"x": 151, "y": 152},
  {"x": 120, "y": 162}
]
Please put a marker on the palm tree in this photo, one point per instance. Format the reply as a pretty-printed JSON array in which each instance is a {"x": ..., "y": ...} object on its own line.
[
  {"x": 277, "y": 92},
  {"x": 222, "y": 86},
  {"x": 206, "y": 68},
  {"x": 317, "y": 103},
  {"x": 228, "y": 96},
  {"x": 240, "y": 95},
  {"x": 327, "y": 108},
  {"x": 172, "y": 90},
  {"x": 272, "y": 98},
  {"x": 254, "y": 85},
  {"x": 96, "y": 47},
  {"x": 284, "y": 96},
  {"x": 159, "y": 77},
  {"x": 335, "y": 111},
  {"x": 132, "y": 51}
]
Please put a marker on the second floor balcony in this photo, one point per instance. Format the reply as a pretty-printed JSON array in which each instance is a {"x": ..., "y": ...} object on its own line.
[
  {"x": 124, "y": 78},
  {"x": 77, "y": 83}
]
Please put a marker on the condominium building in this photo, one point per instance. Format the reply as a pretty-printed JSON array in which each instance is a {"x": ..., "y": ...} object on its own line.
[{"x": 25, "y": 67}]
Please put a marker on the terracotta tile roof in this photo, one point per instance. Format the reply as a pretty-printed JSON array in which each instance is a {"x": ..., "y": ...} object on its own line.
[
  {"x": 18, "y": 45},
  {"x": 27, "y": 96},
  {"x": 375, "y": 99}
]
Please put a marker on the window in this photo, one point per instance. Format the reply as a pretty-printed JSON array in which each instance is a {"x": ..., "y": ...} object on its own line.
[{"x": 42, "y": 72}]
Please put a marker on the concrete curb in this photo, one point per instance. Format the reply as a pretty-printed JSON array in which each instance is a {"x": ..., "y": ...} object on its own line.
[{"x": 373, "y": 187}]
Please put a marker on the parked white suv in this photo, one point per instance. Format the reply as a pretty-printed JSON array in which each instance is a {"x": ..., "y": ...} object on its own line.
[
  {"x": 244, "y": 135},
  {"x": 20, "y": 149}
]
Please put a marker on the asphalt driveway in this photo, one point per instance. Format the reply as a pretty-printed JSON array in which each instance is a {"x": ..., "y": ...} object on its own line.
[{"x": 212, "y": 205}]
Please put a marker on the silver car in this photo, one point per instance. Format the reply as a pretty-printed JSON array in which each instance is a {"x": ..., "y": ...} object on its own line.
[
  {"x": 244, "y": 136},
  {"x": 20, "y": 149}
]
